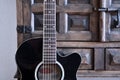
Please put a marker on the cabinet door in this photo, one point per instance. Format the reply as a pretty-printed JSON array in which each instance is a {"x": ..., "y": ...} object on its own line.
[{"x": 87, "y": 27}]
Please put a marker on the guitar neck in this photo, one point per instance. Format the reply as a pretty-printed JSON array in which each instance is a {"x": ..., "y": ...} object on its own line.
[{"x": 49, "y": 31}]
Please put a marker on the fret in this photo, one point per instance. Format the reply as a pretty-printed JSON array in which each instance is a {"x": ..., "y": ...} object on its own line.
[
  {"x": 49, "y": 16},
  {"x": 49, "y": 62},
  {"x": 47, "y": 27},
  {"x": 49, "y": 31},
  {"x": 49, "y": 22},
  {"x": 48, "y": 45},
  {"x": 47, "y": 53},
  {"x": 50, "y": 54},
  {"x": 49, "y": 59},
  {"x": 49, "y": 1},
  {"x": 50, "y": 50},
  {"x": 49, "y": 35},
  {"x": 49, "y": 38},
  {"x": 49, "y": 19},
  {"x": 50, "y": 6}
]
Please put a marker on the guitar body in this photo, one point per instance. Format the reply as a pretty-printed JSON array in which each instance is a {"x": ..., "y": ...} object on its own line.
[{"x": 29, "y": 60}]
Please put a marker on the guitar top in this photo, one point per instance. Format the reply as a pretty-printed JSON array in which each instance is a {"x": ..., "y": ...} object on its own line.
[{"x": 29, "y": 55}]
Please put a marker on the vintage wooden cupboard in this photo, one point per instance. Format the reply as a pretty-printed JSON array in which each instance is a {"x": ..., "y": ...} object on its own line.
[{"x": 88, "y": 27}]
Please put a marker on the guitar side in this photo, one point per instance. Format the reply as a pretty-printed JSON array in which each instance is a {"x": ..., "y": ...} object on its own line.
[{"x": 29, "y": 55}]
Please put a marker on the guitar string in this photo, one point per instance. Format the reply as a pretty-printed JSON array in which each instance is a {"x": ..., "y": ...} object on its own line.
[
  {"x": 49, "y": 44},
  {"x": 44, "y": 39},
  {"x": 50, "y": 35},
  {"x": 49, "y": 47},
  {"x": 43, "y": 42}
]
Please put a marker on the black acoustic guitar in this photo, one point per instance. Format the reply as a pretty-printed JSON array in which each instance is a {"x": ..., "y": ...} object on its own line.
[{"x": 37, "y": 59}]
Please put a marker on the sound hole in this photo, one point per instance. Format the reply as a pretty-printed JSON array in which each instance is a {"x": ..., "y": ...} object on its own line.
[{"x": 49, "y": 72}]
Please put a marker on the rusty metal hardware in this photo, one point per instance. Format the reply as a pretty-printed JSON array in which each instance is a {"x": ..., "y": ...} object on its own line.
[
  {"x": 111, "y": 10},
  {"x": 24, "y": 29}
]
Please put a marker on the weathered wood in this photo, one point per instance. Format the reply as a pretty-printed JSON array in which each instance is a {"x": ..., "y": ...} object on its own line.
[
  {"x": 103, "y": 21},
  {"x": 89, "y": 44},
  {"x": 37, "y": 7},
  {"x": 78, "y": 8},
  {"x": 91, "y": 73},
  {"x": 115, "y": 5},
  {"x": 99, "y": 59},
  {"x": 27, "y": 16},
  {"x": 27, "y": 12},
  {"x": 19, "y": 19},
  {"x": 115, "y": 1},
  {"x": 71, "y": 35},
  {"x": 112, "y": 59},
  {"x": 63, "y": 19},
  {"x": 63, "y": 23},
  {"x": 94, "y": 19},
  {"x": 78, "y": 1},
  {"x": 70, "y": 8},
  {"x": 79, "y": 40},
  {"x": 114, "y": 36}
]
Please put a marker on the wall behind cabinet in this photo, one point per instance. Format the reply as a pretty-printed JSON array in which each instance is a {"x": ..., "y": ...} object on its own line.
[{"x": 8, "y": 39}]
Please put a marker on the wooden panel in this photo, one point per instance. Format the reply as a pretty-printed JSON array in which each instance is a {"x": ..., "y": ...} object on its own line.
[
  {"x": 41, "y": 1},
  {"x": 104, "y": 21},
  {"x": 23, "y": 18},
  {"x": 19, "y": 19},
  {"x": 115, "y": 1},
  {"x": 113, "y": 59},
  {"x": 27, "y": 12},
  {"x": 114, "y": 36},
  {"x": 114, "y": 30},
  {"x": 70, "y": 8},
  {"x": 89, "y": 44},
  {"x": 78, "y": 22},
  {"x": 115, "y": 5},
  {"x": 99, "y": 59},
  {"x": 84, "y": 73},
  {"x": 78, "y": 1},
  {"x": 71, "y": 35},
  {"x": 38, "y": 21},
  {"x": 27, "y": 16},
  {"x": 62, "y": 18},
  {"x": 93, "y": 26},
  {"x": 94, "y": 19},
  {"x": 38, "y": 1},
  {"x": 78, "y": 8}
]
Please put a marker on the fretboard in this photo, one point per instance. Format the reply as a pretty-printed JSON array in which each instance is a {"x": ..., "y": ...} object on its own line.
[{"x": 49, "y": 31}]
